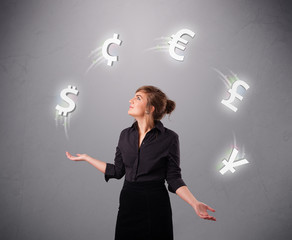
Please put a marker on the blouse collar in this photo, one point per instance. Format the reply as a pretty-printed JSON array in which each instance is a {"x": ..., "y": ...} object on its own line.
[{"x": 157, "y": 124}]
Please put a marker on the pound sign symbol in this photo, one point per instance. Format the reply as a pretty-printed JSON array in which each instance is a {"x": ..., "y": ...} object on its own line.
[{"x": 234, "y": 94}]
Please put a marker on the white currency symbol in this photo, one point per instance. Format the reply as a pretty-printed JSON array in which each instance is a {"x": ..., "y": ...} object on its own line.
[
  {"x": 107, "y": 43},
  {"x": 234, "y": 94},
  {"x": 231, "y": 164},
  {"x": 174, "y": 43},
  {"x": 64, "y": 111}
]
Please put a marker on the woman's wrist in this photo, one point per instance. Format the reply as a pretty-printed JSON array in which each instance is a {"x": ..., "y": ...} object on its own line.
[
  {"x": 195, "y": 203},
  {"x": 88, "y": 158}
]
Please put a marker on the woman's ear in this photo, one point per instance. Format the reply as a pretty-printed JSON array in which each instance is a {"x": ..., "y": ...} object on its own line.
[{"x": 152, "y": 109}]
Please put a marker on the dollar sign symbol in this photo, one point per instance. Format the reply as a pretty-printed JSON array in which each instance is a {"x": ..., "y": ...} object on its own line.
[
  {"x": 174, "y": 43},
  {"x": 234, "y": 94},
  {"x": 64, "y": 111},
  {"x": 107, "y": 43}
]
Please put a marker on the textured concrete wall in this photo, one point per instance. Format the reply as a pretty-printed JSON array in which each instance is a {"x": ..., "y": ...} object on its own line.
[{"x": 45, "y": 46}]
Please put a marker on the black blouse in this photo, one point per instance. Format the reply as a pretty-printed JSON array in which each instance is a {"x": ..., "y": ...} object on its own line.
[{"x": 158, "y": 157}]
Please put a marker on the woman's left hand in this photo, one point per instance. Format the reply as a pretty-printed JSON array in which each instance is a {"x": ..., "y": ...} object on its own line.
[{"x": 201, "y": 211}]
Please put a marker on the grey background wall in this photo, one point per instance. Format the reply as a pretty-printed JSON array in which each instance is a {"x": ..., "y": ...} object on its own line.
[{"x": 45, "y": 46}]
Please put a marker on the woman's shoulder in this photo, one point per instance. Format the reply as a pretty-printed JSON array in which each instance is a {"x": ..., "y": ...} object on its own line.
[
  {"x": 128, "y": 129},
  {"x": 170, "y": 132}
]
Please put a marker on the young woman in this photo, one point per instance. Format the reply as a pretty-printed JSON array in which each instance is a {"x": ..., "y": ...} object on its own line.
[{"x": 147, "y": 154}]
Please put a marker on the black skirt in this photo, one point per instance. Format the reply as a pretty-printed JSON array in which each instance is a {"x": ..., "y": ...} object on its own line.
[{"x": 144, "y": 212}]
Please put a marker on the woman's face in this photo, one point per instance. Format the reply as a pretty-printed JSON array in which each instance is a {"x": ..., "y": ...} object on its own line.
[{"x": 138, "y": 105}]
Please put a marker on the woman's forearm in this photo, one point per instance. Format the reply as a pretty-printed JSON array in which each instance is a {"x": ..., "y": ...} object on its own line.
[
  {"x": 101, "y": 166},
  {"x": 185, "y": 194}
]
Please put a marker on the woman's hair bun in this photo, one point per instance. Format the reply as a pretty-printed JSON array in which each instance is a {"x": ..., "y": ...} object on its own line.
[{"x": 170, "y": 106}]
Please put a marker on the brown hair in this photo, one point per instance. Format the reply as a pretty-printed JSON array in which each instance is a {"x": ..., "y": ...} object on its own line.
[{"x": 158, "y": 99}]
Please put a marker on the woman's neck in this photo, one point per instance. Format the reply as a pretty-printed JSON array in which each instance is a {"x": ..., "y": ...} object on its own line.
[{"x": 143, "y": 126}]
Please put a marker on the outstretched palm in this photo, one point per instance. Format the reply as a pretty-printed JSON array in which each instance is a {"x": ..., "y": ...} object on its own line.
[
  {"x": 81, "y": 157},
  {"x": 201, "y": 210}
]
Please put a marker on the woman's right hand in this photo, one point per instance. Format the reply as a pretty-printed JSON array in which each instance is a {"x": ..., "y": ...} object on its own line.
[{"x": 81, "y": 157}]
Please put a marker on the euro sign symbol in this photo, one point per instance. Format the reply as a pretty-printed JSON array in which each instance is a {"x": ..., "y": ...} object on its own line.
[
  {"x": 231, "y": 164},
  {"x": 107, "y": 43},
  {"x": 174, "y": 43},
  {"x": 64, "y": 111},
  {"x": 234, "y": 94}
]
